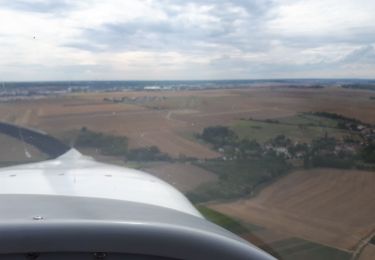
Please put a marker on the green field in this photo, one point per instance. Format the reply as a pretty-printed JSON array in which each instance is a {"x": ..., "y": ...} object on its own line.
[
  {"x": 238, "y": 178},
  {"x": 301, "y": 127},
  {"x": 308, "y": 119},
  {"x": 225, "y": 221}
]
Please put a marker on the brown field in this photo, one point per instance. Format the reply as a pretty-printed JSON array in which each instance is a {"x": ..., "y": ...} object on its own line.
[
  {"x": 168, "y": 121},
  {"x": 368, "y": 253},
  {"x": 14, "y": 151},
  {"x": 183, "y": 176},
  {"x": 266, "y": 236},
  {"x": 84, "y": 109},
  {"x": 330, "y": 207}
]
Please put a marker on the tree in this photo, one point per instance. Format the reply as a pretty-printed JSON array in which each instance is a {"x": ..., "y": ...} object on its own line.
[
  {"x": 368, "y": 153},
  {"x": 249, "y": 149},
  {"x": 219, "y": 135},
  {"x": 281, "y": 141},
  {"x": 107, "y": 144},
  {"x": 151, "y": 153}
]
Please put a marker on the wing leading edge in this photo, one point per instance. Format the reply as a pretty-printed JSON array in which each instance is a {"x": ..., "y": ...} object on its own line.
[{"x": 74, "y": 206}]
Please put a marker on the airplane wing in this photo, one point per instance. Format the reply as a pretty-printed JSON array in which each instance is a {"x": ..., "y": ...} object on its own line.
[{"x": 73, "y": 207}]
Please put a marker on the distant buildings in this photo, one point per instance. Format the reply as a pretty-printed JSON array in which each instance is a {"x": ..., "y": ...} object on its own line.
[{"x": 152, "y": 88}]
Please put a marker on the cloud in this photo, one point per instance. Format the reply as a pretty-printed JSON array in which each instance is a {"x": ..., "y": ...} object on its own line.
[
  {"x": 364, "y": 55},
  {"x": 40, "y": 6},
  {"x": 172, "y": 39},
  {"x": 187, "y": 25}
]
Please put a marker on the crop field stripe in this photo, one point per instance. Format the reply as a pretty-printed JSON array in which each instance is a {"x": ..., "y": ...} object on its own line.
[{"x": 222, "y": 220}]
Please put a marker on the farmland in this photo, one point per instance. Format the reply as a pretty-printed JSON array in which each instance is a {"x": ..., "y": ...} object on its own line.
[
  {"x": 15, "y": 152},
  {"x": 185, "y": 177},
  {"x": 315, "y": 213},
  {"x": 302, "y": 128},
  {"x": 166, "y": 118},
  {"x": 368, "y": 253},
  {"x": 280, "y": 245},
  {"x": 308, "y": 204}
]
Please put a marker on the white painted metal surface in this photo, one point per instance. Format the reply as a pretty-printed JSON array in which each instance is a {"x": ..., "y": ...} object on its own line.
[{"x": 73, "y": 174}]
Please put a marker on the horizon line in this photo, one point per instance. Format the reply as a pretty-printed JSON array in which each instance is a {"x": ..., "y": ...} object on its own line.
[{"x": 182, "y": 80}]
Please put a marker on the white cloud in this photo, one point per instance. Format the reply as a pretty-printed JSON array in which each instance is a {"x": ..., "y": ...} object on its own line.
[
  {"x": 320, "y": 18},
  {"x": 125, "y": 39}
]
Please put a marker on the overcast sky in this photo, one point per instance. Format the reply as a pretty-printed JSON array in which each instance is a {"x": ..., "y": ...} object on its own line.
[{"x": 182, "y": 39}]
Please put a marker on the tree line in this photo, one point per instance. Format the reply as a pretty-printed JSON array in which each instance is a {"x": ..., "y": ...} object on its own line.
[{"x": 113, "y": 145}]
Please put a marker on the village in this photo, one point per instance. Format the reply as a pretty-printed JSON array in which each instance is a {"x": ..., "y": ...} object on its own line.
[{"x": 354, "y": 150}]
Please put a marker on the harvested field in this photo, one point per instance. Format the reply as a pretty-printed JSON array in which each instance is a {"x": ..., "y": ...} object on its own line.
[
  {"x": 67, "y": 110},
  {"x": 17, "y": 152},
  {"x": 176, "y": 145},
  {"x": 330, "y": 207},
  {"x": 183, "y": 176},
  {"x": 296, "y": 249},
  {"x": 368, "y": 253},
  {"x": 267, "y": 236},
  {"x": 167, "y": 120}
]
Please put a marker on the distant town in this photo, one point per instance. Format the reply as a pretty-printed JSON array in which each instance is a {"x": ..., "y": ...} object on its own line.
[{"x": 10, "y": 91}]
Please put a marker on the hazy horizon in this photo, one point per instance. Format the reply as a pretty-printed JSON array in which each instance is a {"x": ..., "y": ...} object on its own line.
[{"x": 190, "y": 80}]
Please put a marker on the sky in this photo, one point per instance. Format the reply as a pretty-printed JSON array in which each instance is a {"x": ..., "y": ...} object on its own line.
[{"x": 186, "y": 39}]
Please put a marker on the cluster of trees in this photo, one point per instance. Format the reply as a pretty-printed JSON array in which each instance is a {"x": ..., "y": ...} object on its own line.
[
  {"x": 248, "y": 149},
  {"x": 331, "y": 161},
  {"x": 372, "y": 241},
  {"x": 219, "y": 136},
  {"x": 281, "y": 141},
  {"x": 360, "y": 86},
  {"x": 107, "y": 144},
  {"x": 337, "y": 117},
  {"x": 315, "y": 86},
  {"x": 343, "y": 122},
  {"x": 298, "y": 149},
  {"x": 322, "y": 152},
  {"x": 151, "y": 153},
  {"x": 226, "y": 140},
  {"x": 368, "y": 153},
  {"x": 117, "y": 146}
]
